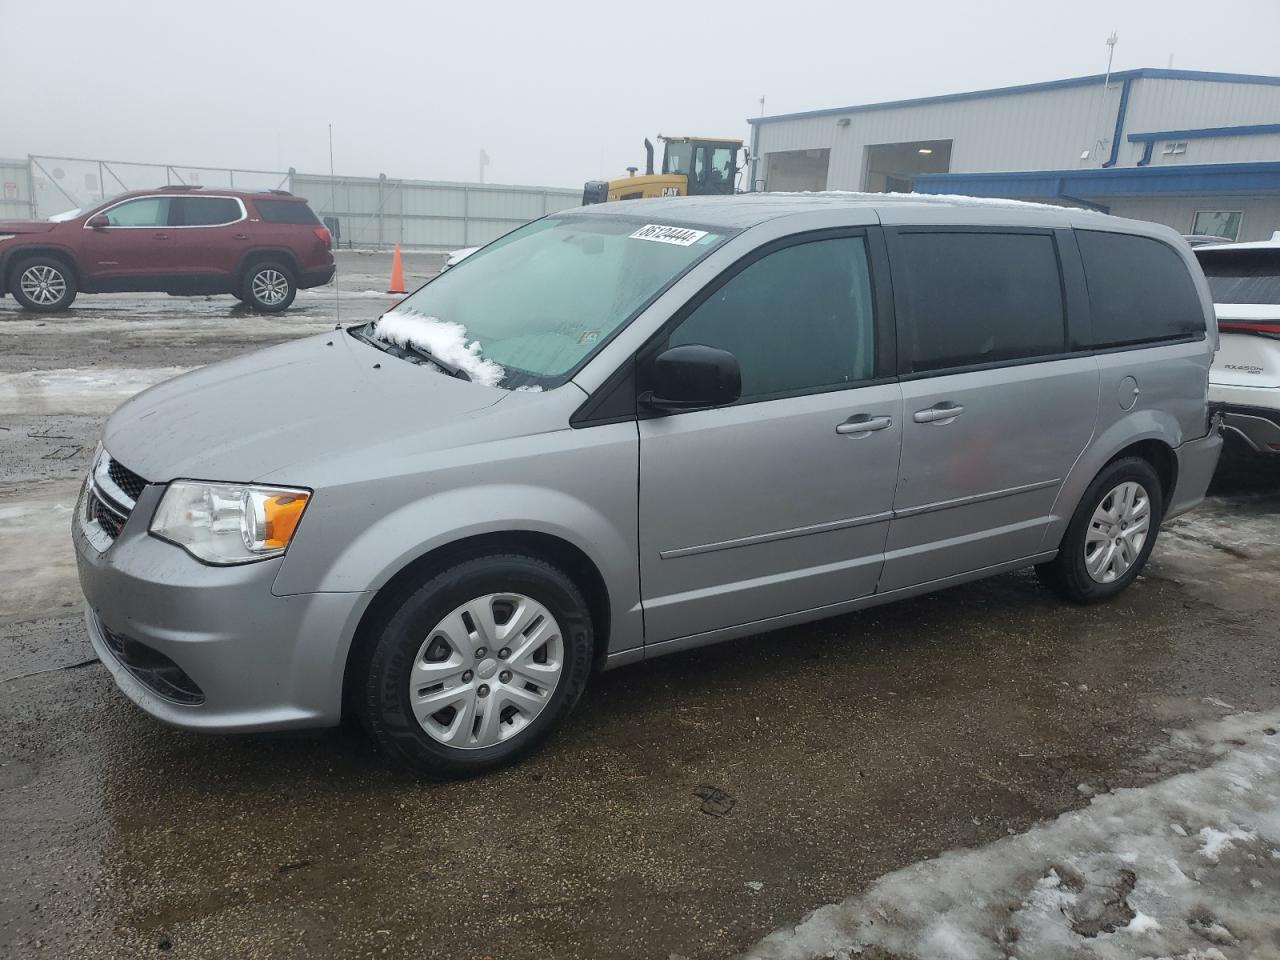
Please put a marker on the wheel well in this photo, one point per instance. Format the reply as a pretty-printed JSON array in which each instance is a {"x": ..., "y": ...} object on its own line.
[
  {"x": 576, "y": 564},
  {"x": 255, "y": 257},
  {"x": 1161, "y": 456},
  {"x": 21, "y": 253}
]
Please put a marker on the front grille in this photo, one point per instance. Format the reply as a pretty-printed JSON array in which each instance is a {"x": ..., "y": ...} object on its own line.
[
  {"x": 125, "y": 479},
  {"x": 113, "y": 491},
  {"x": 98, "y": 509},
  {"x": 151, "y": 668}
]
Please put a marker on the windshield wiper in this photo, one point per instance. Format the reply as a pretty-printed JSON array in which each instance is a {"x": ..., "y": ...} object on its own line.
[{"x": 413, "y": 353}]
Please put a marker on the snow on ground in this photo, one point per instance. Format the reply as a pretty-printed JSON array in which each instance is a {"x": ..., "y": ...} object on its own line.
[
  {"x": 440, "y": 338},
  {"x": 92, "y": 390},
  {"x": 1187, "y": 868},
  {"x": 37, "y": 564}
]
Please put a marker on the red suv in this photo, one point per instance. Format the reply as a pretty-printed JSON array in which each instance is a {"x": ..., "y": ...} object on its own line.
[{"x": 259, "y": 247}]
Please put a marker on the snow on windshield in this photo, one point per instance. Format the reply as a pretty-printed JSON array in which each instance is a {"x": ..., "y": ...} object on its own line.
[
  {"x": 443, "y": 339},
  {"x": 65, "y": 215}
]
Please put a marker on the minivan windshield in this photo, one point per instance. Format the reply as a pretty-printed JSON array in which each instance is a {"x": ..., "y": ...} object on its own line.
[
  {"x": 1242, "y": 276},
  {"x": 525, "y": 311}
]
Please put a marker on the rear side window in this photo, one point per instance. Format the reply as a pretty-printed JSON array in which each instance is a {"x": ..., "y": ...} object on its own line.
[
  {"x": 800, "y": 318},
  {"x": 202, "y": 211},
  {"x": 1139, "y": 290},
  {"x": 975, "y": 298},
  {"x": 286, "y": 211}
]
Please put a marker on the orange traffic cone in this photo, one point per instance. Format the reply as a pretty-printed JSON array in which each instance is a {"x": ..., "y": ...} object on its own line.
[{"x": 397, "y": 274}]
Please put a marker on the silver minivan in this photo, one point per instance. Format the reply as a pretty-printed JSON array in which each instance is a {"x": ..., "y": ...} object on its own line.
[{"x": 636, "y": 428}]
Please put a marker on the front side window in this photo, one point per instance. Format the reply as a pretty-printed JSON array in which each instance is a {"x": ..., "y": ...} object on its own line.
[
  {"x": 798, "y": 319},
  {"x": 529, "y": 308},
  {"x": 203, "y": 211},
  {"x": 1217, "y": 223},
  {"x": 976, "y": 298},
  {"x": 143, "y": 212},
  {"x": 1140, "y": 290}
]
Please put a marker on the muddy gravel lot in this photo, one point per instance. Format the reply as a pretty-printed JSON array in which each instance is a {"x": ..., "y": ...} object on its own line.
[{"x": 694, "y": 804}]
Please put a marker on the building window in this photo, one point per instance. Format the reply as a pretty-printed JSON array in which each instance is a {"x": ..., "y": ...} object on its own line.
[
  {"x": 1174, "y": 148},
  {"x": 1218, "y": 223}
]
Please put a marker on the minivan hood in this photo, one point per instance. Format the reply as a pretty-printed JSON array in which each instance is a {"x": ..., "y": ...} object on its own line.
[{"x": 243, "y": 419}]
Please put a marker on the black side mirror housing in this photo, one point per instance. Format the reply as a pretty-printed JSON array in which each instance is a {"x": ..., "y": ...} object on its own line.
[
  {"x": 98, "y": 221},
  {"x": 693, "y": 376}
]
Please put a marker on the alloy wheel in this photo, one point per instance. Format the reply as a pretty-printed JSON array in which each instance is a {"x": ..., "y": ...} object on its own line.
[
  {"x": 1117, "y": 530},
  {"x": 486, "y": 671},
  {"x": 43, "y": 285},
  {"x": 270, "y": 287}
]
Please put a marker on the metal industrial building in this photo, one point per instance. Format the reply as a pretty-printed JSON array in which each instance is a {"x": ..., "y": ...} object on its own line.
[{"x": 1197, "y": 151}]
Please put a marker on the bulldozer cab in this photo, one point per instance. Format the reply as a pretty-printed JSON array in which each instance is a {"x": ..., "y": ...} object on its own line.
[
  {"x": 711, "y": 165},
  {"x": 691, "y": 166}
]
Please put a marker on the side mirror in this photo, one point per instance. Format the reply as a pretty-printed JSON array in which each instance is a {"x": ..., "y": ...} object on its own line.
[
  {"x": 693, "y": 376},
  {"x": 98, "y": 221}
]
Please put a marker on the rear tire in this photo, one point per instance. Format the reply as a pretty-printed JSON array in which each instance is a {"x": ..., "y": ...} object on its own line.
[
  {"x": 269, "y": 286},
  {"x": 477, "y": 667},
  {"x": 1110, "y": 536},
  {"x": 43, "y": 283}
]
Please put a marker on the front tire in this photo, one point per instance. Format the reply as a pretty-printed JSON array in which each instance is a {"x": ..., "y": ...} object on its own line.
[
  {"x": 44, "y": 284},
  {"x": 1111, "y": 534},
  {"x": 477, "y": 667},
  {"x": 269, "y": 287}
]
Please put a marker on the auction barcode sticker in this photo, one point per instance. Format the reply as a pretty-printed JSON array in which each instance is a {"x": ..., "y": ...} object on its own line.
[{"x": 680, "y": 236}]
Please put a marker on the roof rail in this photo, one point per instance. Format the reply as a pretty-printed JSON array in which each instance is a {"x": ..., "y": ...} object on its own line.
[
  {"x": 182, "y": 187},
  {"x": 281, "y": 193}
]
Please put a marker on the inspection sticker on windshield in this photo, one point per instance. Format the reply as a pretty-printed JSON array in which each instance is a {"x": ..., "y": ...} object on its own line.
[{"x": 680, "y": 236}]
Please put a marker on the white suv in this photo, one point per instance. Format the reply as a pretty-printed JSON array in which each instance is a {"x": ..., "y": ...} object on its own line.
[{"x": 1244, "y": 382}]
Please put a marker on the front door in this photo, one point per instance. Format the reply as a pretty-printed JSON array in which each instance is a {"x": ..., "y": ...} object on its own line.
[
  {"x": 136, "y": 247},
  {"x": 779, "y": 503},
  {"x": 994, "y": 412}
]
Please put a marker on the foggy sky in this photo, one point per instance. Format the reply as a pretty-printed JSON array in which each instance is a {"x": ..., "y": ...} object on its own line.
[{"x": 554, "y": 92}]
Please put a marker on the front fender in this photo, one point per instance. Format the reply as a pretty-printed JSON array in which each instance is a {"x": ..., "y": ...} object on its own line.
[{"x": 330, "y": 553}]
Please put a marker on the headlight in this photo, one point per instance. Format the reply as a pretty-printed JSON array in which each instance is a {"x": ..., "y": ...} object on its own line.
[{"x": 227, "y": 523}]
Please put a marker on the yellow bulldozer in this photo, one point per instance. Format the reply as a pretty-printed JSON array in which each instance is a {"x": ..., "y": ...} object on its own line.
[{"x": 691, "y": 166}]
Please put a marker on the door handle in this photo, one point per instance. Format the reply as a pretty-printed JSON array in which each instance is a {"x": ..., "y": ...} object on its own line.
[
  {"x": 160, "y": 236},
  {"x": 240, "y": 236},
  {"x": 938, "y": 413},
  {"x": 862, "y": 424}
]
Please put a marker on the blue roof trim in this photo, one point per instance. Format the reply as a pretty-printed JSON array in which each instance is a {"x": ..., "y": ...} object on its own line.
[
  {"x": 1248, "y": 130},
  {"x": 1173, "y": 179},
  {"x": 1150, "y": 73}
]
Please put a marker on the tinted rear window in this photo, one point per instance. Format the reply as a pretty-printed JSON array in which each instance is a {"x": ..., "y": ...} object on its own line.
[
  {"x": 1139, "y": 290},
  {"x": 202, "y": 211},
  {"x": 1242, "y": 276},
  {"x": 286, "y": 211},
  {"x": 979, "y": 297}
]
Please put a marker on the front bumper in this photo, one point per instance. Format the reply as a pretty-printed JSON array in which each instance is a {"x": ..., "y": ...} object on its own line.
[
  {"x": 256, "y": 661},
  {"x": 1197, "y": 460}
]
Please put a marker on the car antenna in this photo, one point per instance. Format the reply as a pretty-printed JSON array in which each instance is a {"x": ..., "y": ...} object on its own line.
[{"x": 337, "y": 299}]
